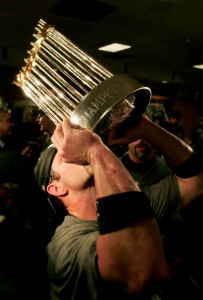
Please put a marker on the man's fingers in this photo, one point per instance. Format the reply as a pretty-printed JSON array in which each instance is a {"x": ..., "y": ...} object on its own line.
[{"x": 58, "y": 135}]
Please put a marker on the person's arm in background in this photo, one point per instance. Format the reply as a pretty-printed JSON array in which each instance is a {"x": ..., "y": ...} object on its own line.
[
  {"x": 129, "y": 246},
  {"x": 175, "y": 152}
]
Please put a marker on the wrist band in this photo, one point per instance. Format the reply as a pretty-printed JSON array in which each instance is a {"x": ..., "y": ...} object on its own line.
[
  {"x": 189, "y": 168},
  {"x": 122, "y": 210}
]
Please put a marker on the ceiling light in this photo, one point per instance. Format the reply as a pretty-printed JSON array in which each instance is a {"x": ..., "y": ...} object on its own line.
[
  {"x": 114, "y": 47},
  {"x": 198, "y": 66}
]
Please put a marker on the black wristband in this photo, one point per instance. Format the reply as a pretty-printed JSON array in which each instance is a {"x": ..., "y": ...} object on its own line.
[
  {"x": 189, "y": 168},
  {"x": 122, "y": 210}
]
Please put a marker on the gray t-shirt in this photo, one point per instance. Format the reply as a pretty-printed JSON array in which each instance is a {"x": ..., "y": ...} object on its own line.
[
  {"x": 72, "y": 264},
  {"x": 72, "y": 260},
  {"x": 164, "y": 199},
  {"x": 159, "y": 184}
]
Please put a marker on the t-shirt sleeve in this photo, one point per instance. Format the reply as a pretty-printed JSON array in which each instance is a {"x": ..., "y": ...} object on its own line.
[{"x": 164, "y": 198}]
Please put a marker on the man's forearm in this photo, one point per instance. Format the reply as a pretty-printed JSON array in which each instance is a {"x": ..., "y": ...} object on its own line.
[
  {"x": 174, "y": 150},
  {"x": 110, "y": 176}
]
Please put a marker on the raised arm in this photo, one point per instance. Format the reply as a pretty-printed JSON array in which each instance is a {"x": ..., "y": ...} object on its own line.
[
  {"x": 179, "y": 155},
  {"x": 129, "y": 246}
]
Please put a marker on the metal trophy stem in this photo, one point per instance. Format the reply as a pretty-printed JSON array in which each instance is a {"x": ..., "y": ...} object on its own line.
[{"x": 66, "y": 82}]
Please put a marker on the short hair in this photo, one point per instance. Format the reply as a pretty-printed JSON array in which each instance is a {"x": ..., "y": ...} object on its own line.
[{"x": 42, "y": 169}]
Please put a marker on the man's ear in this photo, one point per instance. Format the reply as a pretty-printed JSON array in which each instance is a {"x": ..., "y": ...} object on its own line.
[{"x": 56, "y": 190}]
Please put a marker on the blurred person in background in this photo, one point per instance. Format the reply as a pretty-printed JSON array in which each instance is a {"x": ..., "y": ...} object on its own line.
[
  {"x": 174, "y": 124},
  {"x": 6, "y": 129},
  {"x": 30, "y": 135},
  {"x": 25, "y": 226},
  {"x": 167, "y": 192},
  {"x": 47, "y": 128},
  {"x": 144, "y": 164}
]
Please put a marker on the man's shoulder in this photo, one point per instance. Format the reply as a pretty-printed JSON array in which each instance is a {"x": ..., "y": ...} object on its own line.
[
  {"x": 72, "y": 239},
  {"x": 73, "y": 231}
]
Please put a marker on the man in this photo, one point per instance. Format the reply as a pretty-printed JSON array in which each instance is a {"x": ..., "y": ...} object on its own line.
[
  {"x": 151, "y": 172},
  {"x": 6, "y": 126},
  {"x": 108, "y": 245},
  {"x": 144, "y": 164},
  {"x": 172, "y": 195},
  {"x": 174, "y": 124},
  {"x": 47, "y": 127},
  {"x": 179, "y": 190}
]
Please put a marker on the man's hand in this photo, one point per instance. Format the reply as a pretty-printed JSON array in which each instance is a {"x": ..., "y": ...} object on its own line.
[
  {"x": 74, "y": 142},
  {"x": 127, "y": 131}
]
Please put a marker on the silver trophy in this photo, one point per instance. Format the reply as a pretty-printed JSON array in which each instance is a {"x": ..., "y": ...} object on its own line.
[{"x": 64, "y": 81}]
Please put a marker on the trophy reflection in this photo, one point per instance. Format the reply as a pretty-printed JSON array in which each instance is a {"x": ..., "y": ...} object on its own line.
[{"x": 64, "y": 81}]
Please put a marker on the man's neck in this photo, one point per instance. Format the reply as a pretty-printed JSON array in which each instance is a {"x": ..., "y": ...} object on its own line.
[
  {"x": 82, "y": 206},
  {"x": 142, "y": 159},
  {"x": 138, "y": 166}
]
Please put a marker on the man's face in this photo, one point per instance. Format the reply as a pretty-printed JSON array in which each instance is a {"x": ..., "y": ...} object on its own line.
[
  {"x": 6, "y": 125},
  {"x": 46, "y": 125},
  {"x": 140, "y": 149}
]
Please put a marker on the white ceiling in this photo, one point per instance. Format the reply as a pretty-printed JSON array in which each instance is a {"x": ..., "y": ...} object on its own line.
[{"x": 166, "y": 35}]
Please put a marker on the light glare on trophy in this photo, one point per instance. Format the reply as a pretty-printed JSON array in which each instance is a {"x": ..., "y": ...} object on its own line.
[{"x": 64, "y": 81}]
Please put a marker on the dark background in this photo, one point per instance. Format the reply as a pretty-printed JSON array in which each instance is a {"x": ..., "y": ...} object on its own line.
[{"x": 166, "y": 38}]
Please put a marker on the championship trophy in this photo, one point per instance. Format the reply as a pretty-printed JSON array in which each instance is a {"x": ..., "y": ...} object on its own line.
[{"x": 64, "y": 81}]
